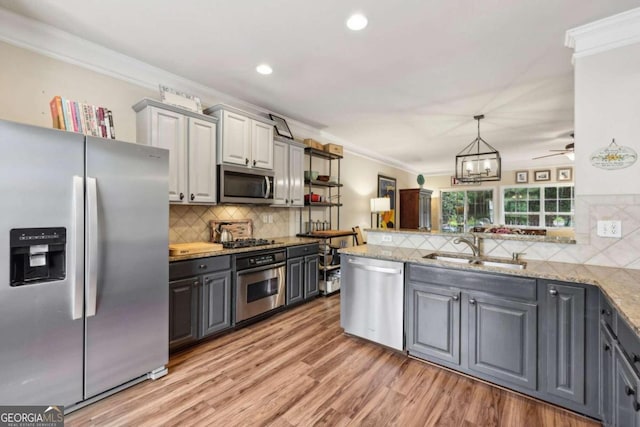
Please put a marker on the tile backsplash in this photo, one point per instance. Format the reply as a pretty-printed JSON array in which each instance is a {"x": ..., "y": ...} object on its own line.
[
  {"x": 590, "y": 248},
  {"x": 190, "y": 223}
]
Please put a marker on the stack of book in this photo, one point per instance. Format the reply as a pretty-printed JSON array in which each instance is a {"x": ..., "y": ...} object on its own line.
[{"x": 83, "y": 118}]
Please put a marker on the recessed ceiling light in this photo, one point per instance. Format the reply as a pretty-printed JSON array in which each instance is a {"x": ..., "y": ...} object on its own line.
[
  {"x": 357, "y": 22},
  {"x": 264, "y": 69}
]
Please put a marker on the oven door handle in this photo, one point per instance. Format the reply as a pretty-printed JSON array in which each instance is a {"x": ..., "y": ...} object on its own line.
[{"x": 261, "y": 268}]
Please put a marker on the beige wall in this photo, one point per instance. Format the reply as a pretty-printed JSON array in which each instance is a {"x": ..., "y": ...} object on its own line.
[{"x": 29, "y": 80}]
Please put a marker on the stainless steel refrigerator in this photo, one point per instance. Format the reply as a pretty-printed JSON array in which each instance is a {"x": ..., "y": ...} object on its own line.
[{"x": 83, "y": 265}]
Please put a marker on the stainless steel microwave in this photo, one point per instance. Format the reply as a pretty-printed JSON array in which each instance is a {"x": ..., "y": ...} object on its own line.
[{"x": 238, "y": 184}]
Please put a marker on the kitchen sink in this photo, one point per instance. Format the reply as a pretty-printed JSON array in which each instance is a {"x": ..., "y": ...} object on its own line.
[{"x": 471, "y": 260}]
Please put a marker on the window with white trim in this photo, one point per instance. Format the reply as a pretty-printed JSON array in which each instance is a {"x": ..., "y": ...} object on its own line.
[
  {"x": 464, "y": 209},
  {"x": 545, "y": 206}
]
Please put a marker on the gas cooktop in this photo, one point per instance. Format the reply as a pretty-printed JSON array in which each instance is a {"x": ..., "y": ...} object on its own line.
[{"x": 246, "y": 243}]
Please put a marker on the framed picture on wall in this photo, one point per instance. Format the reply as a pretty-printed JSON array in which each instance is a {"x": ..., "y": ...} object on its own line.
[
  {"x": 564, "y": 174},
  {"x": 522, "y": 177},
  {"x": 544, "y": 175},
  {"x": 281, "y": 126},
  {"x": 387, "y": 188}
]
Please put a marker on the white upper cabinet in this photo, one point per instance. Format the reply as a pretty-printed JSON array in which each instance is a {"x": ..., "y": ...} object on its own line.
[
  {"x": 261, "y": 145},
  {"x": 202, "y": 161},
  {"x": 191, "y": 140},
  {"x": 167, "y": 131},
  {"x": 236, "y": 138},
  {"x": 296, "y": 175},
  {"x": 281, "y": 173},
  {"x": 244, "y": 139},
  {"x": 288, "y": 181}
]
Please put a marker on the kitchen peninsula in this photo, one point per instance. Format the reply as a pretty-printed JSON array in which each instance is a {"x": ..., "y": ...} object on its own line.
[{"x": 566, "y": 333}]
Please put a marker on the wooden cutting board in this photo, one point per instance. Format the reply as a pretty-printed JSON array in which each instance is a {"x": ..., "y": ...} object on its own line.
[{"x": 193, "y": 248}]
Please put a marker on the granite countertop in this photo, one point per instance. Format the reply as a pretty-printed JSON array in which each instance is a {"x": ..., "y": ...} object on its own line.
[
  {"x": 496, "y": 236},
  {"x": 621, "y": 285},
  {"x": 280, "y": 242}
]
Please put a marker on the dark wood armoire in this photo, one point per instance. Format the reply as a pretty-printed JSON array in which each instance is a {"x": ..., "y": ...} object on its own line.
[{"x": 415, "y": 208}]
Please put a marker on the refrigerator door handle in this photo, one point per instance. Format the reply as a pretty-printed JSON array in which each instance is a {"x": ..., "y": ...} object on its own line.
[
  {"x": 78, "y": 248},
  {"x": 92, "y": 247}
]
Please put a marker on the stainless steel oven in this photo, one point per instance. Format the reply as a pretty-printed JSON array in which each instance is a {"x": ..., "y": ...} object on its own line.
[
  {"x": 244, "y": 185},
  {"x": 260, "y": 283}
]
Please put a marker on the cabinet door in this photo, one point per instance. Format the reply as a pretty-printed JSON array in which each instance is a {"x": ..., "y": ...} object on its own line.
[
  {"x": 215, "y": 303},
  {"x": 235, "y": 138},
  {"x": 183, "y": 311},
  {"x": 281, "y": 173},
  {"x": 606, "y": 376},
  {"x": 625, "y": 392},
  {"x": 433, "y": 322},
  {"x": 425, "y": 211},
  {"x": 296, "y": 176},
  {"x": 261, "y": 145},
  {"x": 295, "y": 280},
  {"x": 168, "y": 131},
  {"x": 565, "y": 327},
  {"x": 502, "y": 339},
  {"x": 202, "y": 161},
  {"x": 311, "y": 276}
]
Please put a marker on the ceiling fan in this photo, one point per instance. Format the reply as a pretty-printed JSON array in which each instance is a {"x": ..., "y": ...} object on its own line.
[{"x": 568, "y": 151}]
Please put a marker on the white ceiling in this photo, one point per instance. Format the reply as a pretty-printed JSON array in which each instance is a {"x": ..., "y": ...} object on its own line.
[{"x": 406, "y": 87}]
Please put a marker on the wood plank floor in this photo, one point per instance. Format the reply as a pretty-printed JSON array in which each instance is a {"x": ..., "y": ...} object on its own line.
[{"x": 298, "y": 369}]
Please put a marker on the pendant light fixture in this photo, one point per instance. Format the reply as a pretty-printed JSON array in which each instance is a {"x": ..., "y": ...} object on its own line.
[{"x": 478, "y": 161}]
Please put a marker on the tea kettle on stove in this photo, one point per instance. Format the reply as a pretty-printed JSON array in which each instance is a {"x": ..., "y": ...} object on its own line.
[{"x": 223, "y": 235}]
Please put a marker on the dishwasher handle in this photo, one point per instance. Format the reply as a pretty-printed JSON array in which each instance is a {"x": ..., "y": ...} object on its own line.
[{"x": 374, "y": 268}]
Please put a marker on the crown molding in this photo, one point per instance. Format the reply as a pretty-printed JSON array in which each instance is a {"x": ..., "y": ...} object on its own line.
[
  {"x": 52, "y": 42},
  {"x": 605, "y": 34}
]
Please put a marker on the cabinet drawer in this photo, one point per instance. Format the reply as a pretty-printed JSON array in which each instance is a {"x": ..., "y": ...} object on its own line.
[
  {"x": 608, "y": 314},
  {"x": 630, "y": 342},
  {"x": 198, "y": 266},
  {"x": 303, "y": 250},
  {"x": 497, "y": 284}
]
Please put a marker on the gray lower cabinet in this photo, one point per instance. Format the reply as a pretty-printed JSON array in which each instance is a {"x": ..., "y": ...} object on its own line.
[
  {"x": 626, "y": 386},
  {"x": 483, "y": 324},
  {"x": 619, "y": 375},
  {"x": 565, "y": 336},
  {"x": 535, "y": 336},
  {"x": 295, "y": 280},
  {"x": 215, "y": 303},
  {"x": 607, "y": 349},
  {"x": 200, "y": 299},
  {"x": 433, "y": 322},
  {"x": 502, "y": 338},
  {"x": 302, "y": 273},
  {"x": 311, "y": 276},
  {"x": 183, "y": 311}
]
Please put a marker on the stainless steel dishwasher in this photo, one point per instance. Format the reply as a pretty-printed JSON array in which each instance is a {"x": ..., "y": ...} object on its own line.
[{"x": 372, "y": 300}]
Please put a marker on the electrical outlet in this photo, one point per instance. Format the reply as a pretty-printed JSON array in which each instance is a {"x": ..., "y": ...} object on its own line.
[
  {"x": 386, "y": 238},
  {"x": 270, "y": 219},
  {"x": 265, "y": 219},
  {"x": 610, "y": 228}
]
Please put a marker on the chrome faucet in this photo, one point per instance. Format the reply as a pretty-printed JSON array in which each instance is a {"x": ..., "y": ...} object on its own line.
[{"x": 474, "y": 245}]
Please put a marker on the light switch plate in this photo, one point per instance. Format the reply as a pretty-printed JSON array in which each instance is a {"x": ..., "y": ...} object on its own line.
[{"x": 610, "y": 228}]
